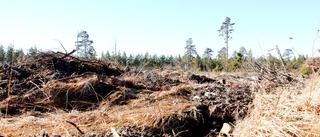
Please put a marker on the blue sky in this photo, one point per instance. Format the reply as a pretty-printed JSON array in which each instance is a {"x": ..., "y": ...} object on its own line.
[{"x": 161, "y": 26}]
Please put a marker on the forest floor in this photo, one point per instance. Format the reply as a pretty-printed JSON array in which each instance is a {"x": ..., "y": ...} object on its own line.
[{"x": 55, "y": 94}]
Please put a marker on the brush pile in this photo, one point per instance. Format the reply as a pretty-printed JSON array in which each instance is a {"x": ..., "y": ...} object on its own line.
[
  {"x": 314, "y": 64},
  {"x": 52, "y": 79},
  {"x": 272, "y": 77},
  {"x": 58, "y": 94}
]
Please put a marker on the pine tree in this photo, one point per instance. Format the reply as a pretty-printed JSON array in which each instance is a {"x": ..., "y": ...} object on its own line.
[
  {"x": 222, "y": 53},
  {"x": 244, "y": 52},
  {"x": 84, "y": 46},
  {"x": 9, "y": 54},
  {"x": 107, "y": 55},
  {"x": 32, "y": 51},
  {"x": 2, "y": 53},
  {"x": 190, "y": 53},
  {"x": 208, "y": 53},
  {"x": 225, "y": 30},
  {"x": 18, "y": 55},
  {"x": 123, "y": 60}
]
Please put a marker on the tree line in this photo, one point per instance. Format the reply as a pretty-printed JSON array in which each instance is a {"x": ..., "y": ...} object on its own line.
[
  {"x": 190, "y": 61},
  {"x": 207, "y": 61},
  {"x": 10, "y": 54}
]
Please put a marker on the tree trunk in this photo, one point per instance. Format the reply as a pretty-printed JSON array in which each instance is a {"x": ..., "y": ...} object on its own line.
[{"x": 227, "y": 46}]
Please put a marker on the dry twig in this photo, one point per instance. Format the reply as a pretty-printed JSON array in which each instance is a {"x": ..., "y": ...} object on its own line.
[{"x": 73, "y": 124}]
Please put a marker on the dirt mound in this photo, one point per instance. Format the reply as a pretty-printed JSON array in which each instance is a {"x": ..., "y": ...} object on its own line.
[
  {"x": 226, "y": 102},
  {"x": 155, "y": 80},
  {"x": 201, "y": 79}
]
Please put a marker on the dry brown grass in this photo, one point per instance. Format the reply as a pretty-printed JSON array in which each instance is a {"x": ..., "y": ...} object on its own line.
[
  {"x": 181, "y": 91},
  {"x": 132, "y": 79},
  {"x": 144, "y": 114},
  {"x": 288, "y": 112},
  {"x": 167, "y": 111}
]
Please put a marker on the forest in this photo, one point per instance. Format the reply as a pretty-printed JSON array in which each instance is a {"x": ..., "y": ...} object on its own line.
[{"x": 205, "y": 62}]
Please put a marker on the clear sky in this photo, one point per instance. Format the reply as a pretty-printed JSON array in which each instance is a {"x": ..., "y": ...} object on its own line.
[{"x": 161, "y": 26}]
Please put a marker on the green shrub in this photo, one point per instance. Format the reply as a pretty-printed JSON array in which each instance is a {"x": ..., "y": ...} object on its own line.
[
  {"x": 218, "y": 68},
  {"x": 305, "y": 70}
]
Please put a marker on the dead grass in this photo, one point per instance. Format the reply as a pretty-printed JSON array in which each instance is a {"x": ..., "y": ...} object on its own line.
[
  {"x": 169, "y": 103},
  {"x": 132, "y": 79},
  {"x": 143, "y": 114},
  {"x": 181, "y": 91},
  {"x": 287, "y": 112}
]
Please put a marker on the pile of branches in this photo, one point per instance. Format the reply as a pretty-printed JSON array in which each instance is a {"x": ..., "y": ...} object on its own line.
[
  {"x": 55, "y": 79},
  {"x": 314, "y": 64},
  {"x": 277, "y": 77}
]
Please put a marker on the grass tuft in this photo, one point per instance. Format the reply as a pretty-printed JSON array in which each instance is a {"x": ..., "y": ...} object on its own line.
[{"x": 287, "y": 112}]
